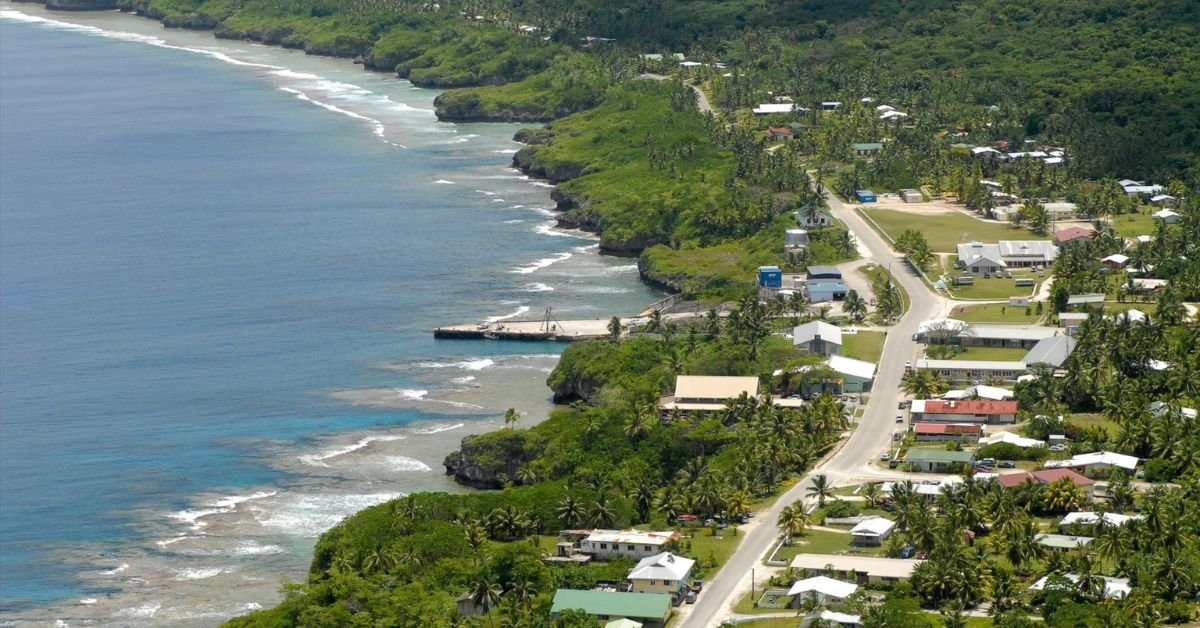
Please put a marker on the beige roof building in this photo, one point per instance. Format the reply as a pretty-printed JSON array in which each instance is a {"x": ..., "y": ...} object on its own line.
[{"x": 862, "y": 569}]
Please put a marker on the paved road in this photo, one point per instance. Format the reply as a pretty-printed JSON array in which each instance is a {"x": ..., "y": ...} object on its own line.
[
  {"x": 874, "y": 433},
  {"x": 701, "y": 100}
]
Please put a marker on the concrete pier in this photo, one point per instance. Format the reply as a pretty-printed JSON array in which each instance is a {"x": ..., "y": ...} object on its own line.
[{"x": 561, "y": 331}]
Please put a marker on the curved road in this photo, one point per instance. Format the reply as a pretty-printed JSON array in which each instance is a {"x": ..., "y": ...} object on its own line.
[{"x": 873, "y": 435}]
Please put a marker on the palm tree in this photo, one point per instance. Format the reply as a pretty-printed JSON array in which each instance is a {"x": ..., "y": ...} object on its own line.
[
  {"x": 855, "y": 306},
  {"x": 511, "y": 417},
  {"x": 476, "y": 538},
  {"x": 821, "y": 489},
  {"x": 641, "y": 421},
  {"x": 615, "y": 328},
  {"x": 602, "y": 514},
  {"x": 570, "y": 512},
  {"x": 736, "y": 503},
  {"x": 871, "y": 493},
  {"x": 485, "y": 592},
  {"x": 793, "y": 519},
  {"x": 1061, "y": 496}
]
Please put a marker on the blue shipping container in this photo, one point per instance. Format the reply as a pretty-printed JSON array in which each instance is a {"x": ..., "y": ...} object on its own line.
[
  {"x": 770, "y": 277},
  {"x": 865, "y": 196}
]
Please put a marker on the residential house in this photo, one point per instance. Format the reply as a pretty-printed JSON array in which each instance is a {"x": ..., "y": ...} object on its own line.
[
  {"x": 974, "y": 370},
  {"x": 929, "y": 489},
  {"x": 1096, "y": 461},
  {"x": 938, "y": 460},
  {"x": 872, "y": 532},
  {"x": 1011, "y": 439},
  {"x": 938, "y": 432},
  {"x": 892, "y": 115},
  {"x": 1116, "y": 261},
  {"x": 856, "y": 375},
  {"x": 818, "y": 337},
  {"x": 966, "y": 411},
  {"x": 1047, "y": 476},
  {"x": 1071, "y": 321},
  {"x": 831, "y": 105},
  {"x": 711, "y": 393},
  {"x": 651, "y": 609},
  {"x": 636, "y": 544},
  {"x": 1166, "y": 215},
  {"x": 1085, "y": 301},
  {"x": 864, "y": 149},
  {"x": 1159, "y": 408},
  {"x": 1052, "y": 352},
  {"x": 956, "y": 332},
  {"x": 818, "y": 220},
  {"x": 1062, "y": 237},
  {"x": 841, "y": 620},
  {"x": 825, "y": 589},
  {"x": 771, "y": 109},
  {"x": 860, "y": 569},
  {"x": 466, "y": 605},
  {"x": 777, "y": 133},
  {"x": 662, "y": 573},
  {"x": 984, "y": 151},
  {"x": 1092, "y": 518},
  {"x": 1162, "y": 199},
  {"x": 1114, "y": 588}
]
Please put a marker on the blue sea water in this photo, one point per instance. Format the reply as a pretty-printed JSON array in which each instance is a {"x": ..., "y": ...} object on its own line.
[{"x": 202, "y": 244}]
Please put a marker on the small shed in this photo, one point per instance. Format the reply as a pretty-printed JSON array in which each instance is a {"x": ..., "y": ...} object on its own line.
[
  {"x": 1018, "y": 301},
  {"x": 910, "y": 196},
  {"x": 770, "y": 277},
  {"x": 865, "y": 196}
]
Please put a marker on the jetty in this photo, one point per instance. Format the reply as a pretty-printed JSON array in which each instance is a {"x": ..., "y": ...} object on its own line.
[{"x": 561, "y": 331}]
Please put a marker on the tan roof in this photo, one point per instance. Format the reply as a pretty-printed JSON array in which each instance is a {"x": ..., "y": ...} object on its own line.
[{"x": 713, "y": 387}]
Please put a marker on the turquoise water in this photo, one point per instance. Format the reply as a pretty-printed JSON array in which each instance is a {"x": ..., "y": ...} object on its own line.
[{"x": 218, "y": 267}]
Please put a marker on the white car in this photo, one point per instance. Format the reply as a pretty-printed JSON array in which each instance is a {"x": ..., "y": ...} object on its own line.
[
  {"x": 908, "y": 365},
  {"x": 885, "y": 456}
]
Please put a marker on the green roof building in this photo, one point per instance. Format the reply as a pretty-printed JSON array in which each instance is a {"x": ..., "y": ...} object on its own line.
[
  {"x": 866, "y": 147},
  {"x": 938, "y": 460},
  {"x": 651, "y": 609}
]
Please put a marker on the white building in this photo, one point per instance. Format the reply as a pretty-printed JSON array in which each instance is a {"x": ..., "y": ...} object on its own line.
[
  {"x": 608, "y": 544},
  {"x": 979, "y": 258},
  {"x": 981, "y": 391},
  {"x": 1114, "y": 588},
  {"x": 661, "y": 573},
  {"x": 1011, "y": 439},
  {"x": 872, "y": 532},
  {"x": 827, "y": 590},
  {"x": 861, "y": 569},
  {"x": 1092, "y": 518},
  {"x": 1167, "y": 216},
  {"x": 818, "y": 337},
  {"x": 1096, "y": 460}
]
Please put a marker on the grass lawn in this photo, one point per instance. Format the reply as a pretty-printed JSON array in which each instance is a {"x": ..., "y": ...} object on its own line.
[
  {"x": 823, "y": 542},
  {"x": 993, "y": 313},
  {"x": 994, "y": 288},
  {"x": 944, "y": 231},
  {"x": 991, "y": 353},
  {"x": 746, "y": 604},
  {"x": 1112, "y": 307},
  {"x": 1089, "y": 419},
  {"x": 865, "y": 345},
  {"x": 773, "y": 622},
  {"x": 1133, "y": 225}
]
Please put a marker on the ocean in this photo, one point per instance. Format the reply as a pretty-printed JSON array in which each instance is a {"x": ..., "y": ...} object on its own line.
[{"x": 219, "y": 267}]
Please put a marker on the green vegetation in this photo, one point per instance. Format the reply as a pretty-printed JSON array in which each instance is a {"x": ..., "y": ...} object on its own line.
[
  {"x": 865, "y": 345},
  {"x": 991, "y": 353},
  {"x": 945, "y": 231},
  {"x": 992, "y": 288},
  {"x": 995, "y": 313},
  {"x": 1134, "y": 225}
]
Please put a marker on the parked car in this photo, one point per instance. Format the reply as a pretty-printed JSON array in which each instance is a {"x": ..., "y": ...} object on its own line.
[
  {"x": 907, "y": 365},
  {"x": 899, "y": 417},
  {"x": 885, "y": 456},
  {"x": 690, "y": 598},
  {"x": 987, "y": 462},
  {"x": 908, "y": 551},
  {"x": 1059, "y": 447},
  {"x": 903, "y": 405},
  {"x": 893, "y": 464},
  {"x": 1007, "y": 464}
]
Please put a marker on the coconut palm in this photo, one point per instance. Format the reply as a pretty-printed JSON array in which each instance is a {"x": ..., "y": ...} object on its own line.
[
  {"x": 855, "y": 306},
  {"x": 602, "y": 513},
  {"x": 511, "y": 417},
  {"x": 821, "y": 489},
  {"x": 871, "y": 493},
  {"x": 486, "y": 592},
  {"x": 571, "y": 512},
  {"x": 793, "y": 519}
]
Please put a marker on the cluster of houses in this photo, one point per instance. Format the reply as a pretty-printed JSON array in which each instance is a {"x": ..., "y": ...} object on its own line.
[
  {"x": 1049, "y": 156},
  {"x": 818, "y": 284}
]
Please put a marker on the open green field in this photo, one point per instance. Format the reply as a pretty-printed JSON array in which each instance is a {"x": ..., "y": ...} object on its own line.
[
  {"x": 774, "y": 622},
  {"x": 991, "y": 353},
  {"x": 944, "y": 231},
  {"x": 825, "y": 542},
  {"x": 865, "y": 345},
  {"x": 993, "y": 313},
  {"x": 993, "y": 288},
  {"x": 1133, "y": 225},
  {"x": 1089, "y": 419}
]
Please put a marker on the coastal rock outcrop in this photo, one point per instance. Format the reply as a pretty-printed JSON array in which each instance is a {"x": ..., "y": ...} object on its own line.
[
  {"x": 490, "y": 460},
  {"x": 81, "y": 5}
]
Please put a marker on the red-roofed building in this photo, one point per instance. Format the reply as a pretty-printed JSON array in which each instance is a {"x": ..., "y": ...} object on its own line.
[
  {"x": 780, "y": 133},
  {"x": 1046, "y": 476},
  {"x": 927, "y": 432},
  {"x": 960, "y": 411},
  {"x": 1070, "y": 234}
]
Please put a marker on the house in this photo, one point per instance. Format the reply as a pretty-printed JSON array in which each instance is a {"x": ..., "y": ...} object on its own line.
[
  {"x": 662, "y": 573},
  {"x": 1071, "y": 321},
  {"x": 708, "y": 392},
  {"x": 929, "y": 489},
  {"x": 882, "y": 109},
  {"x": 938, "y": 460},
  {"x": 865, "y": 196},
  {"x": 623, "y": 623},
  {"x": 1086, "y": 300},
  {"x": 1092, "y": 518},
  {"x": 1159, "y": 408},
  {"x": 818, "y": 337},
  {"x": 637, "y": 544},
  {"x": 856, "y": 375},
  {"x": 1013, "y": 336},
  {"x": 860, "y": 569},
  {"x": 769, "y": 109},
  {"x": 1072, "y": 234},
  {"x": 1062, "y": 541},
  {"x": 1011, "y": 439},
  {"x": 1149, "y": 285},
  {"x": 974, "y": 370},
  {"x": 872, "y": 532},
  {"x": 966, "y": 411},
  {"x": 818, "y": 220},
  {"x": 1167, "y": 216},
  {"x": 1096, "y": 461},
  {"x": 1116, "y": 261},
  {"x": 1048, "y": 476},
  {"x": 1052, "y": 352},
  {"x": 938, "y": 432},
  {"x": 984, "y": 151},
  {"x": 825, "y": 589},
  {"x": 1162, "y": 199},
  {"x": 831, "y": 105},
  {"x": 823, "y": 272},
  {"x": 981, "y": 392},
  {"x": 1114, "y": 588},
  {"x": 866, "y": 148},
  {"x": 842, "y": 620},
  {"x": 1012, "y": 254},
  {"x": 466, "y": 605},
  {"x": 892, "y": 115},
  {"x": 911, "y": 196},
  {"x": 1138, "y": 190},
  {"x": 651, "y": 609},
  {"x": 776, "y": 133}
]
